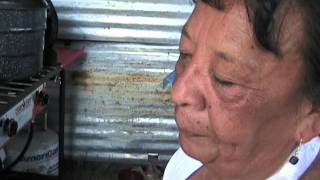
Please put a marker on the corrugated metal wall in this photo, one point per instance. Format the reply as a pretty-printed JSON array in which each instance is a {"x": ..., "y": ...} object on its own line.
[{"x": 117, "y": 109}]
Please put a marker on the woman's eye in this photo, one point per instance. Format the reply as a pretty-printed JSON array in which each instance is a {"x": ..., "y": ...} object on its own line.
[
  {"x": 228, "y": 91},
  {"x": 184, "y": 56},
  {"x": 223, "y": 82}
]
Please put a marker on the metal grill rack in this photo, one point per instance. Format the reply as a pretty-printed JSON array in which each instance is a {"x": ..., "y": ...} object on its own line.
[{"x": 13, "y": 93}]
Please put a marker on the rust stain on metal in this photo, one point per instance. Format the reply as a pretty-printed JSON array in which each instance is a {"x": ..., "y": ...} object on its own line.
[
  {"x": 164, "y": 97},
  {"x": 123, "y": 85},
  {"x": 84, "y": 78}
]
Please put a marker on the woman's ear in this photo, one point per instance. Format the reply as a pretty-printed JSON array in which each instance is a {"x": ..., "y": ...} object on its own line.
[{"x": 309, "y": 124}]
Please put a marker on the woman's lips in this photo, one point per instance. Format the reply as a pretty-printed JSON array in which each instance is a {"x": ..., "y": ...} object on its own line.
[
  {"x": 191, "y": 134},
  {"x": 187, "y": 126}
]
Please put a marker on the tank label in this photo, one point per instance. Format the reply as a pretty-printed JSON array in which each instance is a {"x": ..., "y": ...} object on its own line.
[
  {"x": 44, "y": 156},
  {"x": 25, "y": 105},
  {"x": 44, "y": 162}
]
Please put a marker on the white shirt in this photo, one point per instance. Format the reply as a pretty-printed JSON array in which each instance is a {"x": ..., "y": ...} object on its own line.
[{"x": 181, "y": 166}]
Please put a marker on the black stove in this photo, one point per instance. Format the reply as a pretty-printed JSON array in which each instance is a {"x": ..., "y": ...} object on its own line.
[
  {"x": 18, "y": 101},
  {"x": 19, "y": 105}
]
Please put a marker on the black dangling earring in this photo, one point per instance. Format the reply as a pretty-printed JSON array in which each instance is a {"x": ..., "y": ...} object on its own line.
[{"x": 294, "y": 159}]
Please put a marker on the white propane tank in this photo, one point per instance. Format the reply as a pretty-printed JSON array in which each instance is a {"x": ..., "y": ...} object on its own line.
[{"x": 42, "y": 156}]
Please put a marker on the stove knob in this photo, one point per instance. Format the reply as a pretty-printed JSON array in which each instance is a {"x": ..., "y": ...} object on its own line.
[
  {"x": 45, "y": 99},
  {"x": 5, "y": 125},
  {"x": 1, "y": 122},
  {"x": 13, "y": 128},
  {"x": 10, "y": 127}
]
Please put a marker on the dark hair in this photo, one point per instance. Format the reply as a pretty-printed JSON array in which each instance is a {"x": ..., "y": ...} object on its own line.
[{"x": 262, "y": 15}]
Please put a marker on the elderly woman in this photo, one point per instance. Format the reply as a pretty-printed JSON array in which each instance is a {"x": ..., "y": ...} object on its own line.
[{"x": 247, "y": 92}]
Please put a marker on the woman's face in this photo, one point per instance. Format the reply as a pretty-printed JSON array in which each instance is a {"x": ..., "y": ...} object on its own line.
[{"x": 237, "y": 106}]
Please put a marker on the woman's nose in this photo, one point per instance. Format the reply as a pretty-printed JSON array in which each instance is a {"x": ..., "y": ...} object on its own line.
[{"x": 187, "y": 91}]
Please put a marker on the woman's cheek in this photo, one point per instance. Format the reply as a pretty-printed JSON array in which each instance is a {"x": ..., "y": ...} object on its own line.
[
  {"x": 233, "y": 122},
  {"x": 231, "y": 95},
  {"x": 237, "y": 109}
]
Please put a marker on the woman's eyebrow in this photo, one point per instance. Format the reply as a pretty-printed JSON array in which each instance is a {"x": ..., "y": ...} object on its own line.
[
  {"x": 250, "y": 64},
  {"x": 224, "y": 56},
  {"x": 218, "y": 4}
]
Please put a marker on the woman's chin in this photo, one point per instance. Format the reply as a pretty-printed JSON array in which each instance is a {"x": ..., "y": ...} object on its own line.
[{"x": 190, "y": 145}]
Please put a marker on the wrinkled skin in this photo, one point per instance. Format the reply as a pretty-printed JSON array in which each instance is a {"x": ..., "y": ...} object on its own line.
[{"x": 239, "y": 108}]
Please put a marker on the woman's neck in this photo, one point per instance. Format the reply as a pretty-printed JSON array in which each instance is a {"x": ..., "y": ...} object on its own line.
[
  {"x": 308, "y": 166},
  {"x": 260, "y": 167}
]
